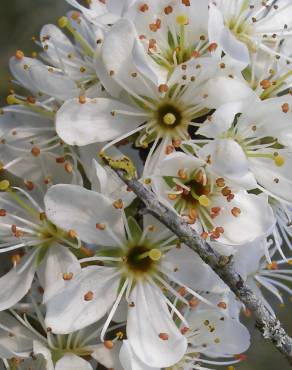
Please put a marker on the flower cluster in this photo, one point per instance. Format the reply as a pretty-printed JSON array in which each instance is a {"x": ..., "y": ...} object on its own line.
[{"x": 198, "y": 95}]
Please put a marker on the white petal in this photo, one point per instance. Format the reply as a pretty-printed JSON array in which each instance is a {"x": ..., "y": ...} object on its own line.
[
  {"x": 146, "y": 65},
  {"x": 59, "y": 260},
  {"x": 108, "y": 358},
  {"x": 176, "y": 161},
  {"x": 146, "y": 321},
  {"x": 95, "y": 121},
  {"x": 68, "y": 310},
  {"x": 109, "y": 83},
  {"x": 53, "y": 83},
  {"x": 74, "y": 208},
  {"x": 16, "y": 283},
  {"x": 40, "y": 349},
  {"x": 255, "y": 220},
  {"x": 19, "y": 341},
  {"x": 229, "y": 161},
  {"x": 277, "y": 180},
  {"x": 233, "y": 337},
  {"x": 223, "y": 37},
  {"x": 20, "y": 70},
  {"x": 222, "y": 90},
  {"x": 247, "y": 258},
  {"x": 130, "y": 361},
  {"x": 220, "y": 121},
  {"x": 118, "y": 45},
  {"x": 72, "y": 362},
  {"x": 186, "y": 266}
]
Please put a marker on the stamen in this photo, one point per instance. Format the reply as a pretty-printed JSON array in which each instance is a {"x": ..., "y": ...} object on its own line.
[{"x": 64, "y": 22}]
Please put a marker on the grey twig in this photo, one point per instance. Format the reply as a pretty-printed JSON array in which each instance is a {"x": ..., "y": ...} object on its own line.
[{"x": 269, "y": 326}]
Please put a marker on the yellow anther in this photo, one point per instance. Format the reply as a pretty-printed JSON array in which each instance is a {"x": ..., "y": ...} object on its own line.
[
  {"x": 169, "y": 119},
  {"x": 11, "y": 99},
  {"x": 119, "y": 335},
  {"x": 279, "y": 160},
  {"x": 204, "y": 200},
  {"x": 4, "y": 185},
  {"x": 155, "y": 254},
  {"x": 63, "y": 22},
  {"x": 182, "y": 20}
]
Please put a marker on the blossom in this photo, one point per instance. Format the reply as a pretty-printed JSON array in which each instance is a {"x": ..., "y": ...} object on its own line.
[
  {"x": 257, "y": 150},
  {"x": 263, "y": 276},
  {"x": 160, "y": 113},
  {"x": 208, "y": 335},
  {"x": 135, "y": 266},
  {"x": 25, "y": 229},
  {"x": 19, "y": 339},
  {"x": 242, "y": 27},
  {"x": 208, "y": 203}
]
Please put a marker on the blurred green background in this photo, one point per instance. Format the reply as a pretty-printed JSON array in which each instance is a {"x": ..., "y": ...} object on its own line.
[{"x": 22, "y": 19}]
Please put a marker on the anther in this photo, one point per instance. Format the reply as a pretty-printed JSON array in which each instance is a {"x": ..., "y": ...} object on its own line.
[
  {"x": 182, "y": 174},
  {"x": 272, "y": 266},
  {"x": 3, "y": 212},
  {"x": 182, "y": 291},
  {"x": 72, "y": 234},
  {"x": 67, "y": 276},
  {"x": 100, "y": 226},
  {"x": 143, "y": 8},
  {"x": 68, "y": 167},
  {"x": 15, "y": 259},
  {"x": 222, "y": 305},
  {"x": 285, "y": 108},
  {"x": 193, "y": 302},
  {"x": 108, "y": 344},
  {"x": 204, "y": 235},
  {"x": 88, "y": 296},
  {"x": 236, "y": 211},
  {"x": 63, "y": 22},
  {"x": 163, "y": 336},
  {"x": 265, "y": 84},
  {"x": 82, "y": 99},
  {"x": 42, "y": 216},
  {"x": 163, "y": 88},
  {"x": 168, "y": 10},
  {"x": 11, "y": 99},
  {"x": 35, "y": 151},
  {"x": 212, "y": 47},
  {"x": 19, "y": 54},
  {"x": 118, "y": 204}
]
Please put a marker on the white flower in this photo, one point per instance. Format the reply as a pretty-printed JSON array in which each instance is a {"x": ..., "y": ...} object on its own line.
[
  {"x": 72, "y": 69},
  {"x": 24, "y": 225},
  {"x": 171, "y": 32},
  {"x": 161, "y": 113},
  {"x": 136, "y": 265},
  {"x": 261, "y": 276},
  {"x": 20, "y": 339},
  {"x": 268, "y": 76},
  {"x": 250, "y": 150},
  {"x": 208, "y": 203},
  {"x": 209, "y": 335},
  {"x": 103, "y": 13},
  {"x": 242, "y": 27}
]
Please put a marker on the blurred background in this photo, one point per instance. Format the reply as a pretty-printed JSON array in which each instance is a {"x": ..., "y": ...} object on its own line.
[{"x": 20, "y": 20}]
